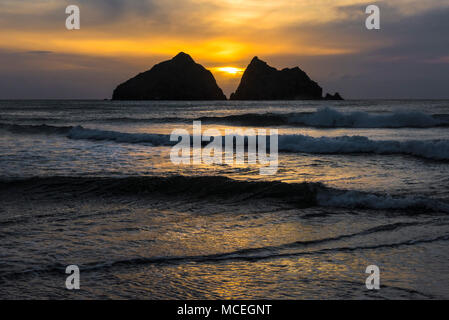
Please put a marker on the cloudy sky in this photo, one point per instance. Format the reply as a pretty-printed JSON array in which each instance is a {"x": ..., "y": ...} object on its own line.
[{"x": 407, "y": 58}]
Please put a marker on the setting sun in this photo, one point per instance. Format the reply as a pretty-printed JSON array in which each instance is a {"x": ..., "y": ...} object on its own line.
[{"x": 229, "y": 70}]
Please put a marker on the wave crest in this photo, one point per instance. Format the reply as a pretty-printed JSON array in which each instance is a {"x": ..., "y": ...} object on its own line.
[
  {"x": 427, "y": 149},
  {"x": 432, "y": 149},
  {"x": 331, "y": 118},
  {"x": 80, "y": 133},
  {"x": 218, "y": 187}
]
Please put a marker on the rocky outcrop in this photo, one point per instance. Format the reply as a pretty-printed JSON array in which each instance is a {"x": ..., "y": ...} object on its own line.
[
  {"x": 262, "y": 82},
  {"x": 177, "y": 79},
  {"x": 336, "y": 96}
]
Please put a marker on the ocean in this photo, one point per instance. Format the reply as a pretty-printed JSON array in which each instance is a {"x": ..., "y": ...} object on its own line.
[{"x": 91, "y": 184}]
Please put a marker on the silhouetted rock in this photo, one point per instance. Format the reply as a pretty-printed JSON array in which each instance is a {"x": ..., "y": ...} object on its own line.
[
  {"x": 177, "y": 79},
  {"x": 262, "y": 82},
  {"x": 336, "y": 96}
]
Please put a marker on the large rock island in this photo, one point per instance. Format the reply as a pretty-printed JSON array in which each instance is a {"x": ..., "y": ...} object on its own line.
[
  {"x": 262, "y": 82},
  {"x": 177, "y": 79}
]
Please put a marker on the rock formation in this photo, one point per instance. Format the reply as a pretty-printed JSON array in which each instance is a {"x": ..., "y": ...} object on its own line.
[
  {"x": 177, "y": 79},
  {"x": 262, "y": 82},
  {"x": 336, "y": 96}
]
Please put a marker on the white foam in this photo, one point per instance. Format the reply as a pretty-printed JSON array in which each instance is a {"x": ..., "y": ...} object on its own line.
[
  {"x": 327, "y": 117},
  {"x": 432, "y": 149}
]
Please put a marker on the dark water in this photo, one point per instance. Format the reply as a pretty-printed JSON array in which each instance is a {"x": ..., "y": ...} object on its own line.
[{"x": 90, "y": 183}]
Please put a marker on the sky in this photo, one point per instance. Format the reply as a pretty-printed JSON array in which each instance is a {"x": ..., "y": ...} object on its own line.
[{"x": 407, "y": 58}]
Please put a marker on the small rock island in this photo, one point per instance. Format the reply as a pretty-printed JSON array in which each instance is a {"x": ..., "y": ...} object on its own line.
[
  {"x": 336, "y": 96},
  {"x": 177, "y": 79},
  {"x": 263, "y": 82}
]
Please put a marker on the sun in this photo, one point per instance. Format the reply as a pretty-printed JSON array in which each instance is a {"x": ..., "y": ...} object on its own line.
[{"x": 229, "y": 70}]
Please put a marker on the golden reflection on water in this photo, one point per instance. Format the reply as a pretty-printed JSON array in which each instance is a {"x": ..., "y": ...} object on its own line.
[
  {"x": 291, "y": 169},
  {"x": 339, "y": 171}
]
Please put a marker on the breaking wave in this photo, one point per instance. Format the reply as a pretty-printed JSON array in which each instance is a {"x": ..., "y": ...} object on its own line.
[
  {"x": 322, "y": 118},
  {"x": 219, "y": 187},
  {"x": 431, "y": 149},
  {"x": 81, "y": 133},
  {"x": 428, "y": 149},
  {"x": 331, "y": 118}
]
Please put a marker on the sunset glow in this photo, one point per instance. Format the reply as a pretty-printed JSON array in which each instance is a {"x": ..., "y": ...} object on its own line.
[{"x": 229, "y": 70}]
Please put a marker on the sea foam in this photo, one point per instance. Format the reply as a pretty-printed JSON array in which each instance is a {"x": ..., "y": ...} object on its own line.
[
  {"x": 428, "y": 149},
  {"x": 356, "y": 199},
  {"x": 331, "y": 118},
  {"x": 327, "y": 117},
  {"x": 431, "y": 149}
]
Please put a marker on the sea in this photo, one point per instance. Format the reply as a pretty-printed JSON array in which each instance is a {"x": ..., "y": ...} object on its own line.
[{"x": 91, "y": 184}]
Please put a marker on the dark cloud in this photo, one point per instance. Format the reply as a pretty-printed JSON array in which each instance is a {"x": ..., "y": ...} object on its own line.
[
  {"x": 109, "y": 11},
  {"x": 39, "y": 52},
  {"x": 93, "y": 13},
  {"x": 62, "y": 76},
  {"x": 408, "y": 57}
]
